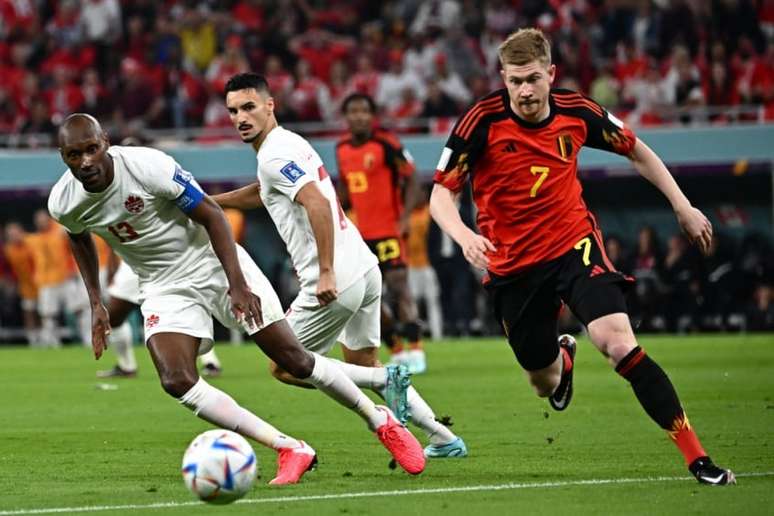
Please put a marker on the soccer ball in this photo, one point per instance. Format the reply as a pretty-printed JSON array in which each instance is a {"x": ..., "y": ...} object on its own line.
[{"x": 219, "y": 466}]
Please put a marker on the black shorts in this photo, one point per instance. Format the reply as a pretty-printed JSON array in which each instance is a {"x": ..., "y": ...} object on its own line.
[
  {"x": 527, "y": 304},
  {"x": 389, "y": 252}
]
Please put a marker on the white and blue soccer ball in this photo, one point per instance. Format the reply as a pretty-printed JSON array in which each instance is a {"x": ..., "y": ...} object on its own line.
[{"x": 219, "y": 466}]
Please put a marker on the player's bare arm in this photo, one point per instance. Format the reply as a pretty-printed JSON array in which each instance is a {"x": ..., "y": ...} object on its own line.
[
  {"x": 318, "y": 210},
  {"x": 245, "y": 198},
  {"x": 86, "y": 257},
  {"x": 693, "y": 222},
  {"x": 443, "y": 208},
  {"x": 243, "y": 302}
]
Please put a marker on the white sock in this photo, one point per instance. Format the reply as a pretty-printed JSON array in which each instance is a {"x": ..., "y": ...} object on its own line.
[
  {"x": 220, "y": 409},
  {"x": 236, "y": 336},
  {"x": 84, "y": 327},
  {"x": 369, "y": 377},
  {"x": 49, "y": 336},
  {"x": 332, "y": 381},
  {"x": 424, "y": 417},
  {"x": 121, "y": 340},
  {"x": 210, "y": 358}
]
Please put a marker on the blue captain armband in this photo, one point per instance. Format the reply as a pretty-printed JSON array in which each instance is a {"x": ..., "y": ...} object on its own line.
[{"x": 192, "y": 194}]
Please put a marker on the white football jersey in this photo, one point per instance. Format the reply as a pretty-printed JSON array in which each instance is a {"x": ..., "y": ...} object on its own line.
[
  {"x": 286, "y": 163},
  {"x": 141, "y": 216}
]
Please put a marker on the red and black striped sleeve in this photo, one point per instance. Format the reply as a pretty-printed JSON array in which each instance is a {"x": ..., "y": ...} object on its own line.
[
  {"x": 467, "y": 142},
  {"x": 603, "y": 130}
]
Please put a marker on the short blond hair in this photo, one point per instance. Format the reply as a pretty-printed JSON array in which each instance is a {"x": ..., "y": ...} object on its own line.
[{"x": 525, "y": 46}]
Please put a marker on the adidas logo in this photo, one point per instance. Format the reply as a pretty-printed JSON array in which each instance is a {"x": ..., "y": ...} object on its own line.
[
  {"x": 596, "y": 271},
  {"x": 510, "y": 147}
]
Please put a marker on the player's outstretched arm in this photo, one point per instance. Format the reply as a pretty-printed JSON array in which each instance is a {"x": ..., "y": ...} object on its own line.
[
  {"x": 86, "y": 257},
  {"x": 245, "y": 198},
  {"x": 243, "y": 302},
  {"x": 443, "y": 208},
  {"x": 318, "y": 209},
  {"x": 693, "y": 222}
]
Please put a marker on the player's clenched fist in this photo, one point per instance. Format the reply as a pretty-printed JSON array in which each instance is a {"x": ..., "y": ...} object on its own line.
[
  {"x": 326, "y": 288},
  {"x": 697, "y": 228},
  {"x": 475, "y": 247}
]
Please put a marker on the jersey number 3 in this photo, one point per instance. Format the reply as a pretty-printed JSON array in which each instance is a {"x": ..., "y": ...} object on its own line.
[{"x": 124, "y": 232}]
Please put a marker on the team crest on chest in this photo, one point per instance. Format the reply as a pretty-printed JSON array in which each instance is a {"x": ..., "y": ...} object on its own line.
[
  {"x": 134, "y": 204},
  {"x": 564, "y": 146},
  {"x": 368, "y": 160}
]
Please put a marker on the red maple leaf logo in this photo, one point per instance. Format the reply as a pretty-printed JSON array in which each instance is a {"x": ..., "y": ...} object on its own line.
[
  {"x": 134, "y": 204},
  {"x": 151, "y": 321}
]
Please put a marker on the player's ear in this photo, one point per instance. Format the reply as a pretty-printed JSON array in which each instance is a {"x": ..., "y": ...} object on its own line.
[
  {"x": 270, "y": 104},
  {"x": 502, "y": 75},
  {"x": 551, "y": 73}
]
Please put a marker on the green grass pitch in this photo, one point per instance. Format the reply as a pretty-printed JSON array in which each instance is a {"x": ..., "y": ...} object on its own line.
[{"x": 66, "y": 444}]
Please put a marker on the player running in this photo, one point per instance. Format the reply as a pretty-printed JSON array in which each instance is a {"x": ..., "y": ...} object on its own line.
[
  {"x": 340, "y": 281},
  {"x": 159, "y": 221},
  {"x": 377, "y": 181},
  {"x": 540, "y": 244}
]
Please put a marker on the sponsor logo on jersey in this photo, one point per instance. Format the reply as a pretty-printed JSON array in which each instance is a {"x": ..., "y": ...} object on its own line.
[
  {"x": 152, "y": 321},
  {"x": 292, "y": 171},
  {"x": 134, "y": 204}
]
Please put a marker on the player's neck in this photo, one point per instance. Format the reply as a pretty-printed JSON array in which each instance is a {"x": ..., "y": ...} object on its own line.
[
  {"x": 270, "y": 125},
  {"x": 358, "y": 138}
]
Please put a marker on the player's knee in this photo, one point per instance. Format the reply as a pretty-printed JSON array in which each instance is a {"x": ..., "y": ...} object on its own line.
[
  {"x": 615, "y": 341},
  {"x": 177, "y": 383}
]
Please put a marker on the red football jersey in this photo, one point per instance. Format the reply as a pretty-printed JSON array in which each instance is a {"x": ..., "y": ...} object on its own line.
[
  {"x": 372, "y": 173},
  {"x": 524, "y": 175}
]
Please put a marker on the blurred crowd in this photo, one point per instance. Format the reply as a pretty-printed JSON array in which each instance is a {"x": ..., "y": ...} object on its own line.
[
  {"x": 42, "y": 299},
  {"x": 146, "y": 64}
]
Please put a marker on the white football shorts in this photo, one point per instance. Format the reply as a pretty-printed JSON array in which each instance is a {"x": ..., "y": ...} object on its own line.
[
  {"x": 125, "y": 285},
  {"x": 189, "y": 308},
  {"x": 353, "y": 318}
]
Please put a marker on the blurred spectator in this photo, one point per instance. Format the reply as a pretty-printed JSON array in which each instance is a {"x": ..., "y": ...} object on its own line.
[
  {"x": 366, "y": 78},
  {"x": 422, "y": 279},
  {"x": 134, "y": 107},
  {"x": 682, "y": 285},
  {"x": 280, "y": 81},
  {"x": 438, "y": 103},
  {"x": 64, "y": 96},
  {"x": 20, "y": 261},
  {"x": 95, "y": 95},
  {"x": 419, "y": 57},
  {"x": 605, "y": 87},
  {"x": 38, "y": 130},
  {"x": 309, "y": 95},
  {"x": 65, "y": 27},
  {"x": 339, "y": 86},
  {"x": 439, "y": 15},
  {"x": 231, "y": 62},
  {"x": 645, "y": 265},
  {"x": 651, "y": 53},
  {"x": 393, "y": 84},
  {"x": 450, "y": 82},
  {"x": 760, "y": 313},
  {"x": 320, "y": 49},
  {"x": 198, "y": 38}
]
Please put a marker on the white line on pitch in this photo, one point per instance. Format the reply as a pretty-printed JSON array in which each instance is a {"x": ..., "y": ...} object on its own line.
[{"x": 369, "y": 494}]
